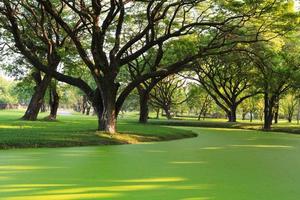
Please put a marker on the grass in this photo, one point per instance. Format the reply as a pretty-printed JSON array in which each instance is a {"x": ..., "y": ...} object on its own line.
[
  {"x": 219, "y": 164},
  {"x": 76, "y": 130},
  {"x": 282, "y": 126}
]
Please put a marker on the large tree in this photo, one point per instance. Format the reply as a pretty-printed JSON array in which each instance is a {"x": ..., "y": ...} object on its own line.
[
  {"x": 110, "y": 34},
  {"x": 37, "y": 38},
  {"x": 227, "y": 79}
]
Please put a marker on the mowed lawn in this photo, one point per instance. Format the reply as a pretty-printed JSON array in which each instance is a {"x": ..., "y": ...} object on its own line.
[
  {"x": 73, "y": 130},
  {"x": 221, "y": 164}
]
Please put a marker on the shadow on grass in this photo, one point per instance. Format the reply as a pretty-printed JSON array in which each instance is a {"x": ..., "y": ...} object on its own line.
[
  {"x": 72, "y": 131},
  {"x": 117, "y": 189},
  {"x": 228, "y": 125}
]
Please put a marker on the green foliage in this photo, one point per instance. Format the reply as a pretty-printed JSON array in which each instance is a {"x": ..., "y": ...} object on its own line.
[{"x": 7, "y": 95}]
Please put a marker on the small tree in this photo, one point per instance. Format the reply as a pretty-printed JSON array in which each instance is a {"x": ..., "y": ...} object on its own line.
[
  {"x": 289, "y": 104},
  {"x": 168, "y": 94}
]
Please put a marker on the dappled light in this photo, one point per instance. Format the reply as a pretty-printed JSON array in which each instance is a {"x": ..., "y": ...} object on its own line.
[
  {"x": 122, "y": 188},
  {"x": 212, "y": 148},
  {"x": 13, "y": 126},
  {"x": 153, "y": 180},
  {"x": 149, "y": 100},
  {"x": 25, "y": 167},
  {"x": 64, "y": 196}
]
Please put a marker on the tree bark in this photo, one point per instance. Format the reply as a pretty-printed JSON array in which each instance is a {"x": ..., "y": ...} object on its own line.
[
  {"x": 157, "y": 113},
  {"x": 168, "y": 113},
  {"x": 37, "y": 99},
  {"x": 108, "y": 118},
  {"x": 232, "y": 114},
  {"x": 144, "y": 109},
  {"x": 276, "y": 110},
  {"x": 84, "y": 104},
  {"x": 53, "y": 102},
  {"x": 268, "y": 111}
]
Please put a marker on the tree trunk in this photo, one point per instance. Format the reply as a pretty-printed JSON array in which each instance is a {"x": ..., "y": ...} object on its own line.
[
  {"x": 108, "y": 118},
  {"x": 251, "y": 116},
  {"x": 157, "y": 113},
  {"x": 276, "y": 116},
  {"x": 144, "y": 109},
  {"x": 88, "y": 110},
  {"x": 276, "y": 111},
  {"x": 37, "y": 99},
  {"x": 168, "y": 113},
  {"x": 268, "y": 112},
  {"x": 232, "y": 114},
  {"x": 244, "y": 114},
  {"x": 84, "y": 104},
  {"x": 53, "y": 102},
  {"x": 43, "y": 107}
]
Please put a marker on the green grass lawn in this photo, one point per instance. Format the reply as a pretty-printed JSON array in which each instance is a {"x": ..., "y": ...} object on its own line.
[
  {"x": 219, "y": 164},
  {"x": 282, "y": 126},
  {"x": 73, "y": 130}
]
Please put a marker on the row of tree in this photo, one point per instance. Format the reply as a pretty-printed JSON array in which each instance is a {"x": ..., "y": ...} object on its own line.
[{"x": 107, "y": 49}]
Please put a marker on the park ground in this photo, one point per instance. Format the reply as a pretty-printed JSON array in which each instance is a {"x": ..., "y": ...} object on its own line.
[{"x": 220, "y": 163}]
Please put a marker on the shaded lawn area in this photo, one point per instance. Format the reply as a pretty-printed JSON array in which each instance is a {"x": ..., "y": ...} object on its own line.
[
  {"x": 76, "y": 130},
  {"x": 219, "y": 164},
  {"x": 282, "y": 126}
]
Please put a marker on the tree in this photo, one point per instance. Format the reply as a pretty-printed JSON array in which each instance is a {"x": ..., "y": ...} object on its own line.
[
  {"x": 199, "y": 100},
  {"x": 227, "y": 80},
  {"x": 6, "y": 92},
  {"x": 152, "y": 61},
  {"x": 289, "y": 105},
  {"x": 168, "y": 94},
  {"x": 53, "y": 101},
  {"x": 104, "y": 33},
  {"x": 37, "y": 39},
  {"x": 279, "y": 72}
]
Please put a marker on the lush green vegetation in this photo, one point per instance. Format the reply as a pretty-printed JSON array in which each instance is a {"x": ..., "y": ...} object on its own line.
[
  {"x": 72, "y": 73},
  {"x": 75, "y": 130},
  {"x": 222, "y": 164}
]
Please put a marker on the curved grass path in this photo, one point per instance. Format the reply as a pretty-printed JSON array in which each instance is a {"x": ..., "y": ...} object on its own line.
[{"x": 219, "y": 164}]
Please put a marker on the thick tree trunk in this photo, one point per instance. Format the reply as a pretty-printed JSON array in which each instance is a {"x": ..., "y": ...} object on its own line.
[
  {"x": 144, "y": 109},
  {"x": 251, "y": 116},
  {"x": 232, "y": 114},
  {"x": 268, "y": 112},
  {"x": 108, "y": 118},
  {"x": 53, "y": 102},
  {"x": 168, "y": 113},
  {"x": 37, "y": 99}
]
